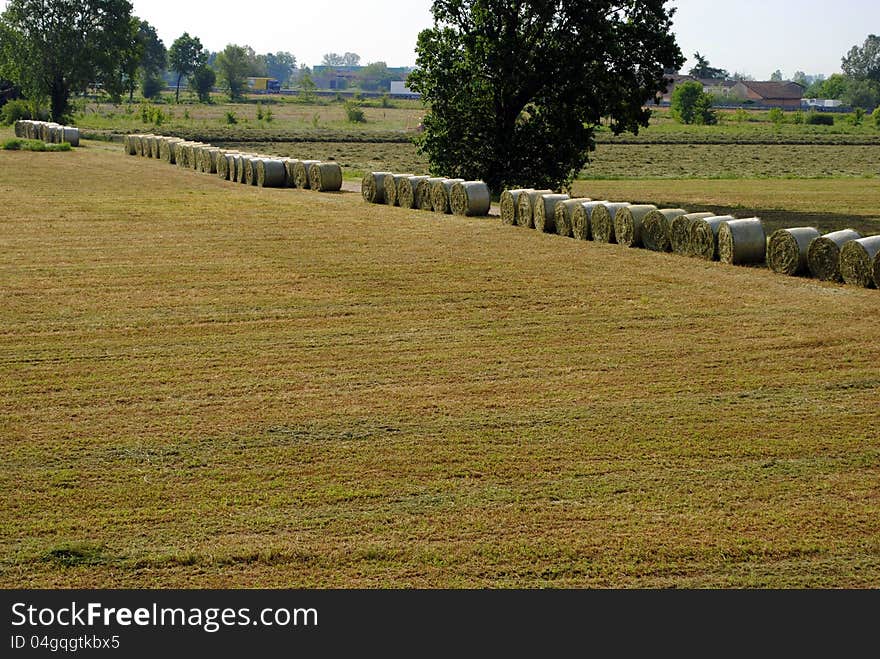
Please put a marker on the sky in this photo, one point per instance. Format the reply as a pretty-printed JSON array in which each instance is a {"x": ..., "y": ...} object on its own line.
[{"x": 754, "y": 37}]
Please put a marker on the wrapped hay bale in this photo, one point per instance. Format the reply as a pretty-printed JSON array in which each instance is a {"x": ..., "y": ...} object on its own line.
[
  {"x": 155, "y": 143},
  {"x": 290, "y": 166},
  {"x": 509, "y": 202},
  {"x": 440, "y": 195},
  {"x": 680, "y": 232},
  {"x": 70, "y": 135},
  {"x": 208, "y": 161},
  {"x": 787, "y": 250},
  {"x": 270, "y": 173},
  {"x": 602, "y": 221},
  {"x": 240, "y": 167},
  {"x": 423, "y": 193},
  {"x": 470, "y": 199},
  {"x": 408, "y": 191},
  {"x": 525, "y": 216},
  {"x": 582, "y": 219},
  {"x": 742, "y": 242},
  {"x": 857, "y": 261},
  {"x": 19, "y": 127},
  {"x": 168, "y": 150},
  {"x": 226, "y": 165},
  {"x": 128, "y": 145},
  {"x": 656, "y": 228},
  {"x": 373, "y": 187},
  {"x": 250, "y": 172},
  {"x": 628, "y": 224},
  {"x": 875, "y": 271},
  {"x": 392, "y": 185},
  {"x": 823, "y": 255},
  {"x": 325, "y": 177},
  {"x": 704, "y": 236},
  {"x": 544, "y": 212},
  {"x": 301, "y": 173},
  {"x": 563, "y": 215}
]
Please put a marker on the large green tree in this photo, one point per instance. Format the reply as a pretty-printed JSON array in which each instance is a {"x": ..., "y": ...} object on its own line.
[
  {"x": 233, "y": 66},
  {"x": 280, "y": 66},
  {"x": 516, "y": 89},
  {"x": 863, "y": 62},
  {"x": 185, "y": 56},
  {"x": 702, "y": 69},
  {"x": 53, "y": 48}
]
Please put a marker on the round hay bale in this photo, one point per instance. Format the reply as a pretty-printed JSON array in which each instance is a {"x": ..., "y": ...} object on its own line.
[
  {"x": 602, "y": 221},
  {"x": 290, "y": 166},
  {"x": 628, "y": 224},
  {"x": 127, "y": 145},
  {"x": 656, "y": 227},
  {"x": 373, "y": 187},
  {"x": 270, "y": 173},
  {"x": 325, "y": 177},
  {"x": 423, "y": 193},
  {"x": 167, "y": 148},
  {"x": 823, "y": 255},
  {"x": 742, "y": 242},
  {"x": 440, "y": 195},
  {"x": 680, "y": 232},
  {"x": 544, "y": 212},
  {"x": 525, "y": 212},
  {"x": 70, "y": 135},
  {"x": 392, "y": 186},
  {"x": 470, "y": 199},
  {"x": 407, "y": 191},
  {"x": 226, "y": 164},
  {"x": 208, "y": 163},
  {"x": 582, "y": 219},
  {"x": 562, "y": 216},
  {"x": 704, "y": 236},
  {"x": 509, "y": 203},
  {"x": 857, "y": 261},
  {"x": 19, "y": 127},
  {"x": 240, "y": 167},
  {"x": 788, "y": 249},
  {"x": 875, "y": 271},
  {"x": 250, "y": 173},
  {"x": 155, "y": 144},
  {"x": 301, "y": 173}
]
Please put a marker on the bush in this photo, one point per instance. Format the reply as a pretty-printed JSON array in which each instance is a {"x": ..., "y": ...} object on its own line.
[
  {"x": 777, "y": 116},
  {"x": 15, "y": 111},
  {"x": 857, "y": 117},
  {"x": 819, "y": 119},
  {"x": 690, "y": 105},
  {"x": 354, "y": 113},
  {"x": 798, "y": 117},
  {"x": 17, "y": 144},
  {"x": 876, "y": 116},
  {"x": 231, "y": 118}
]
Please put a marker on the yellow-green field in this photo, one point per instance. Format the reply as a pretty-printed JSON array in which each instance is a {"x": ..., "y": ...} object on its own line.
[{"x": 204, "y": 384}]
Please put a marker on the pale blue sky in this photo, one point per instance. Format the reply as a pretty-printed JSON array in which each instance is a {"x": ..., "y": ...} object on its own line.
[{"x": 750, "y": 36}]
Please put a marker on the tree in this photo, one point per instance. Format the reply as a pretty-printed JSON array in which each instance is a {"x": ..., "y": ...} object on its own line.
[
  {"x": 280, "y": 66},
  {"x": 864, "y": 63},
  {"x": 834, "y": 87},
  {"x": 202, "y": 81},
  {"x": 351, "y": 59},
  {"x": 703, "y": 70},
  {"x": 332, "y": 59},
  {"x": 741, "y": 76},
  {"x": 153, "y": 61},
  {"x": 776, "y": 76},
  {"x": 516, "y": 90},
  {"x": 307, "y": 86},
  {"x": 375, "y": 76},
  {"x": 863, "y": 94},
  {"x": 691, "y": 105},
  {"x": 184, "y": 57},
  {"x": 53, "y": 48},
  {"x": 233, "y": 66}
]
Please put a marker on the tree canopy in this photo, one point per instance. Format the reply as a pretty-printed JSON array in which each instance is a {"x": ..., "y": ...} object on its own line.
[
  {"x": 53, "y": 48},
  {"x": 516, "y": 89},
  {"x": 184, "y": 57},
  {"x": 863, "y": 63},
  {"x": 702, "y": 69},
  {"x": 335, "y": 59},
  {"x": 234, "y": 63}
]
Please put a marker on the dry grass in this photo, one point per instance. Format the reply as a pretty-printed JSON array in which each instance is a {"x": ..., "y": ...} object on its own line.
[{"x": 233, "y": 386}]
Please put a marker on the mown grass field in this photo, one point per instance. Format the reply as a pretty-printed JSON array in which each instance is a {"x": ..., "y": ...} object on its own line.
[{"x": 210, "y": 385}]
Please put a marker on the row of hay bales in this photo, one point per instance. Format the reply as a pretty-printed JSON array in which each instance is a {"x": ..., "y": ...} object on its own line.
[
  {"x": 437, "y": 194},
  {"x": 842, "y": 256},
  {"x": 46, "y": 131},
  {"x": 231, "y": 165}
]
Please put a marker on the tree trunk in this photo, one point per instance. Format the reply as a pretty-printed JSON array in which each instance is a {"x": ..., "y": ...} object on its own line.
[
  {"x": 59, "y": 97},
  {"x": 177, "y": 93}
]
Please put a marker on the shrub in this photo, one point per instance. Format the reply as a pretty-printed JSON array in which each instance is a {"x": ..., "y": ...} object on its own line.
[
  {"x": 354, "y": 113},
  {"x": 798, "y": 117},
  {"x": 690, "y": 105},
  {"x": 740, "y": 116},
  {"x": 819, "y": 119},
  {"x": 777, "y": 116},
  {"x": 231, "y": 118},
  {"x": 15, "y": 111},
  {"x": 857, "y": 117},
  {"x": 876, "y": 115},
  {"x": 259, "y": 111},
  {"x": 17, "y": 144},
  {"x": 268, "y": 116}
]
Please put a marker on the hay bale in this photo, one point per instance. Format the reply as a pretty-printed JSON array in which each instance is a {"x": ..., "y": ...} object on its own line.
[
  {"x": 154, "y": 147},
  {"x": 823, "y": 255},
  {"x": 240, "y": 167},
  {"x": 602, "y": 221},
  {"x": 325, "y": 177},
  {"x": 582, "y": 219},
  {"x": 168, "y": 149},
  {"x": 270, "y": 173},
  {"x": 742, "y": 242},
  {"x": 703, "y": 241},
  {"x": 628, "y": 224},
  {"x": 562, "y": 215},
  {"x": 470, "y": 199},
  {"x": 509, "y": 202},
  {"x": 226, "y": 165},
  {"x": 128, "y": 145},
  {"x": 18, "y": 128},
  {"x": 407, "y": 191},
  {"x": 656, "y": 228},
  {"x": 857, "y": 261},
  {"x": 875, "y": 270},
  {"x": 525, "y": 215},
  {"x": 250, "y": 172},
  {"x": 70, "y": 135},
  {"x": 788, "y": 249},
  {"x": 392, "y": 186},
  {"x": 373, "y": 187},
  {"x": 440, "y": 195},
  {"x": 544, "y": 212},
  {"x": 208, "y": 162},
  {"x": 423, "y": 193},
  {"x": 301, "y": 173},
  {"x": 680, "y": 232}
]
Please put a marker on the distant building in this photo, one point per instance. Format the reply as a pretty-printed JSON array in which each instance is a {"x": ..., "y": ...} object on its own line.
[
  {"x": 770, "y": 94},
  {"x": 399, "y": 88},
  {"x": 338, "y": 78}
]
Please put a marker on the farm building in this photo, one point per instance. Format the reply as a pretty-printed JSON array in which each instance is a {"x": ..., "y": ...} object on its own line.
[{"x": 770, "y": 94}]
